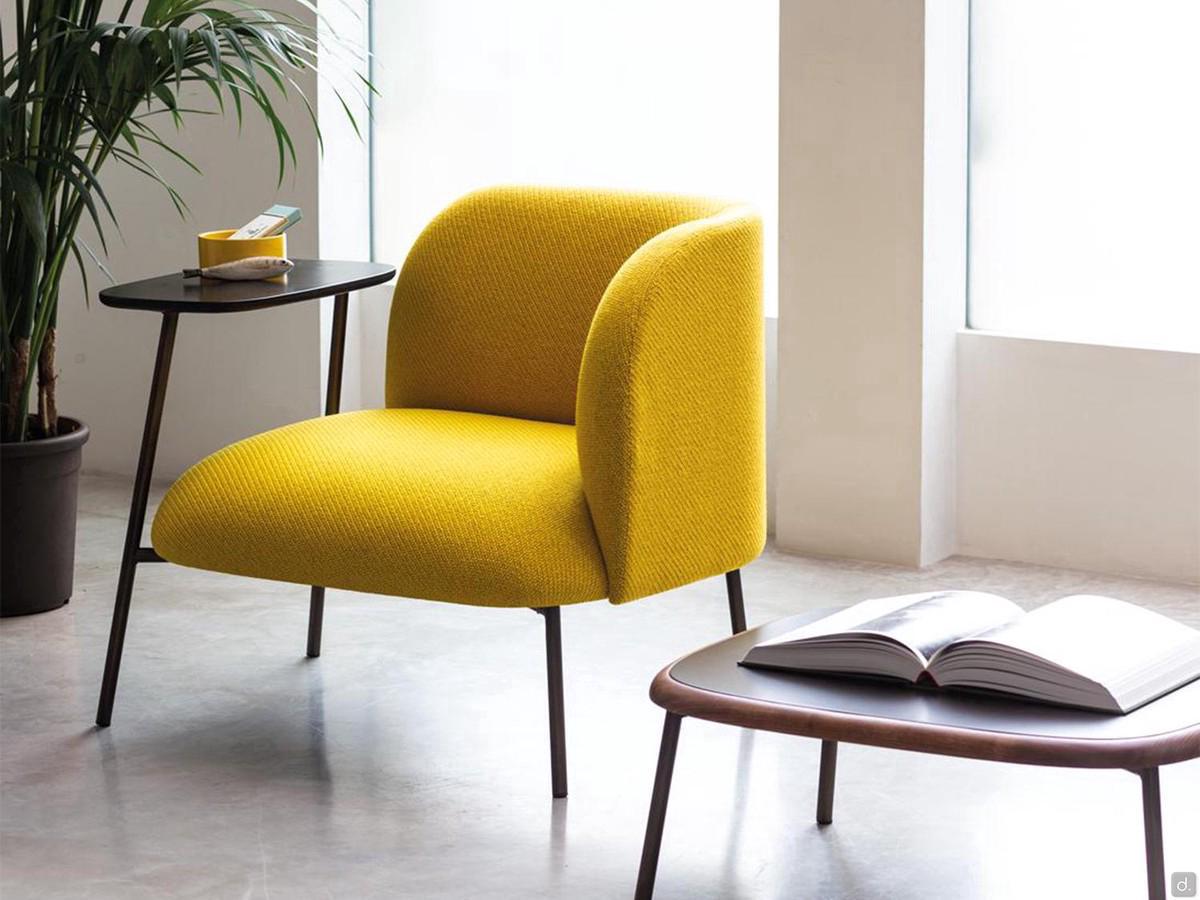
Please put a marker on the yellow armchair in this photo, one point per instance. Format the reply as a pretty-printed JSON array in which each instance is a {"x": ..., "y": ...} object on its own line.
[{"x": 574, "y": 411}]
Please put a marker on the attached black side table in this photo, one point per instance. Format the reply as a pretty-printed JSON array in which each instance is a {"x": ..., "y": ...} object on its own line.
[{"x": 170, "y": 295}]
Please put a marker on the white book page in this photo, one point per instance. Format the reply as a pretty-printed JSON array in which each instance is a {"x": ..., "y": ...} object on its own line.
[
  {"x": 1107, "y": 641},
  {"x": 845, "y": 619},
  {"x": 920, "y": 622}
]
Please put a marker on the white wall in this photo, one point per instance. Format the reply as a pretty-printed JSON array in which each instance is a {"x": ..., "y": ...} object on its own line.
[
  {"x": 672, "y": 95},
  {"x": 870, "y": 278},
  {"x": 344, "y": 227},
  {"x": 669, "y": 95},
  {"x": 901, "y": 439},
  {"x": 1072, "y": 454},
  {"x": 1079, "y": 455},
  {"x": 943, "y": 270}
]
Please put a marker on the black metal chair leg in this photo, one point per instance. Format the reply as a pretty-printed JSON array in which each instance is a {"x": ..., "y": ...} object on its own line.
[
  {"x": 737, "y": 606},
  {"x": 658, "y": 807},
  {"x": 825, "y": 782},
  {"x": 554, "y": 686},
  {"x": 137, "y": 517},
  {"x": 316, "y": 616},
  {"x": 1152, "y": 819},
  {"x": 333, "y": 402}
]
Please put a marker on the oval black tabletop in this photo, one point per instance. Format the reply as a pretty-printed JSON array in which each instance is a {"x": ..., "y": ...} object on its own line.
[{"x": 311, "y": 278}]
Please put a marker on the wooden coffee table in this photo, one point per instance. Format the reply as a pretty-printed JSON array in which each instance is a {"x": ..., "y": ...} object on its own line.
[{"x": 709, "y": 684}]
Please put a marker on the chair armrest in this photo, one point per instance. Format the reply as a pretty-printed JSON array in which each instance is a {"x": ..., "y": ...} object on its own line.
[{"x": 670, "y": 408}]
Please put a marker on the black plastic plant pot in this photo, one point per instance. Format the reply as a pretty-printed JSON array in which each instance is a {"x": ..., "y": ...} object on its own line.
[{"x": 39, "y": 492}]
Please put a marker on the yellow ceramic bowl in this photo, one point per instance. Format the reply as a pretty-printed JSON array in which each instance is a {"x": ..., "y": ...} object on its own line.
[{"x": 216, "y": 248}]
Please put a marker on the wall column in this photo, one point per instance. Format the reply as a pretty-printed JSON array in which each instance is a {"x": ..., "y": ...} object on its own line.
[{"x": 871, "y": 276}]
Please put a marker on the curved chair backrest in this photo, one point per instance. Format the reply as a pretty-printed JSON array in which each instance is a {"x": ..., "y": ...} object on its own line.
[{"x": 495, "y": 301}]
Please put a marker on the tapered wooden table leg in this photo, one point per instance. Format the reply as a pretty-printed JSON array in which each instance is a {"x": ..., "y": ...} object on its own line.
[
  {"x": 658, "y": 807},
  {"x": 1152, "y": 819},
  {"x": 825, "y": 782}
]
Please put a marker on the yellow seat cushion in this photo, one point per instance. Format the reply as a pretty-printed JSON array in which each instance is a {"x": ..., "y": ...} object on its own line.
[{"x": 435, "y": 504}]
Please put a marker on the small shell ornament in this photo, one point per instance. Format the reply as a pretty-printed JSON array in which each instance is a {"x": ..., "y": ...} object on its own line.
[{"x": 253, "y": 268}]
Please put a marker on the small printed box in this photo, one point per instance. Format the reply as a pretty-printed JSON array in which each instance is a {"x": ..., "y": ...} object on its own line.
[{"x": 276, "y": 220}]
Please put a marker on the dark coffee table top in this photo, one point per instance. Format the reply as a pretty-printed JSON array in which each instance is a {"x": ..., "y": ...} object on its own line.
[
  {"x": 709, "y": 684},
  {"x": 311, "y": 278}
]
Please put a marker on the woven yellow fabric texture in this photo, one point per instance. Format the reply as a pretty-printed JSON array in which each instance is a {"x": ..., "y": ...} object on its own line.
[
  {"x": 495, "y": 300},
  {"x": 576, "y": 410},
  {"x": 670, "y": 415},
  {"x": 418, "y": 503}
]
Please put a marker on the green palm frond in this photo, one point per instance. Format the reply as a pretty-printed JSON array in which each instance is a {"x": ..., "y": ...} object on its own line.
[{"x": 79, "y": 91}]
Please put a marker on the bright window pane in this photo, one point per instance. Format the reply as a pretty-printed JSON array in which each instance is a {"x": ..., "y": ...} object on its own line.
[
  {"x": 1085, "y": 170},
  {"x": 666, "y": 95}
]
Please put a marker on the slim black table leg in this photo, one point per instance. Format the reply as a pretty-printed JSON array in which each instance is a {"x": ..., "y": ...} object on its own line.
[
  {"x": 554, "y": 690},
  {"x": 316, "y": 617},
  {"x": 825, "y": 782},
  {"x": 737, "y": 606},
  {"x": 137, "y": 516},
  {"x": 333, "y": 402},
  {"x": 658, "y": 807},
  {"x": 1152, "y": 818},
  {"x": 337, "y": 354}
]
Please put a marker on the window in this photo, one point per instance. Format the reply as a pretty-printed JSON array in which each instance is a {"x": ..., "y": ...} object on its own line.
[
  {"x": 1085, "y": 170},
  {"x": 668, "y": 95}
]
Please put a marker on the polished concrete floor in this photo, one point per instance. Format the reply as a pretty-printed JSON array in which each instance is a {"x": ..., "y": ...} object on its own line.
[{"x": 411, "y": 759}]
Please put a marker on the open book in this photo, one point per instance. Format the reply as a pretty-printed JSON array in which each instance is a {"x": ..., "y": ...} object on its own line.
[{"x": 1084, "y": 651}]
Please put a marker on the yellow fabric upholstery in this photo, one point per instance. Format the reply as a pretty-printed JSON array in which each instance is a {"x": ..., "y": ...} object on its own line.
[
  {"x": 575, "y": 393},
  {"x": 420, "y": 503},
  {"x": 670, "y": 412},
  {"x": 498, "y": 293}
]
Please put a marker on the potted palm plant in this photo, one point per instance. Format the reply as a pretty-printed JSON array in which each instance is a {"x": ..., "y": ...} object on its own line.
[{"x": 81, "y": 93}]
